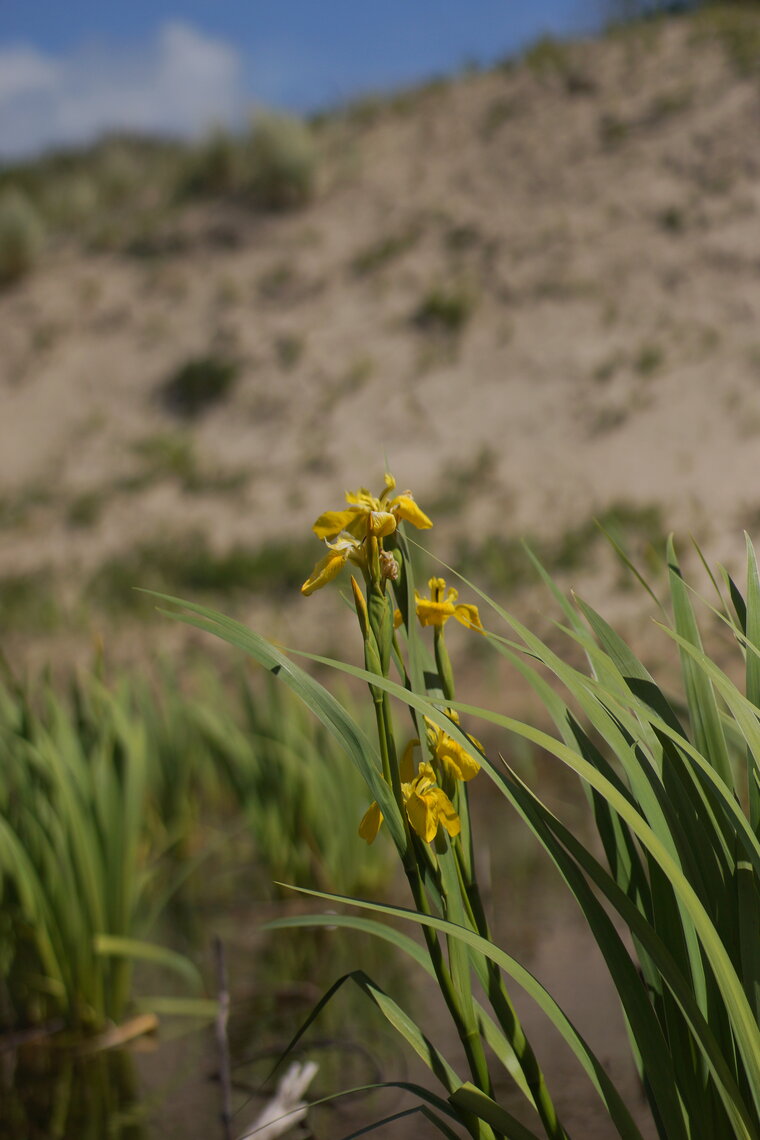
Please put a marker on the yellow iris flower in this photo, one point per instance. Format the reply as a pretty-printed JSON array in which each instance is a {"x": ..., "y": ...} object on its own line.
[
  {"x": 427, "y": 805},
  {"x": 437, "y": 609},
  {"x": 344, "y": 547},
  {"x": 370, "y": 514},
  {"x": 455, "y": 762}
]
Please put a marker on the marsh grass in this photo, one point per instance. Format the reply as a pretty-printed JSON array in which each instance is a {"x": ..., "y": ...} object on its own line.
[
  {"x": 112, "y": 799},
  {"x": 299, "y": 794},
  {"x": 74, "y": 870},
  {"x": 190, "y": 563},
  {"x": 30, "y": 601},
  {"x": 502, "y": 564}
]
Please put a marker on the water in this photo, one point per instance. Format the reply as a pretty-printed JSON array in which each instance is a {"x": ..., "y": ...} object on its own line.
[{"x": 166, "y": 1087}]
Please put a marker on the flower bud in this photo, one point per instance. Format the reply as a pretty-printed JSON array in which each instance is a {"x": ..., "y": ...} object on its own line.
[
  {"x": 389, "y": 567},
  {"x": 361, "y": 607}
]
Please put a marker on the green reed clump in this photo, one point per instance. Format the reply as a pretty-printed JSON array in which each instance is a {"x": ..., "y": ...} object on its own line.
[
  {"x": 297, "y": 791},
  {"x": 188, "y": 562},
  {"x": 111, "y": 797},
  {"x": 75, "y": 856},
  {"x": 672, "y": 787}
]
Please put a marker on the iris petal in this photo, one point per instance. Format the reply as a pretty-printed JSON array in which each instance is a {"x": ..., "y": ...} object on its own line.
[
  {"x": 333, "y": 522},
  {"x": 455, "y": 760},
  {"x": 468, "y": 615},
  {"x": 406, "y": 768},
  {"x": 326, "y": 569},
  {"x": 381, "y": 523},
  {"x": 423, "y": 815},
  {"x": 447, "y": 814},
  {"x": 427, "y": 805},
  {"x": 433, "y": 613},
  {"x": 404, "y": 507},
  {"x": 370, "y": 824}
]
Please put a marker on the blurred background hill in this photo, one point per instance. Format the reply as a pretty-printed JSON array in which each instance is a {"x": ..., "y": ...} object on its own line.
[{"x": 532, "y": 289}]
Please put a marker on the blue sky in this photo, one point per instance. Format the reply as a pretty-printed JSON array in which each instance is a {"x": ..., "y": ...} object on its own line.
[{"x": 70, "y": 70}]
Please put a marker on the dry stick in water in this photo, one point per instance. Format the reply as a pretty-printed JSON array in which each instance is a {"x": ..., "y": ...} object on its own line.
[{"x": 222, "y": 1043}]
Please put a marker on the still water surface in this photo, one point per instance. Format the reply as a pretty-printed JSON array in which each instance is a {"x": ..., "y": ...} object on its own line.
[{"x": 166, "y": 1088}]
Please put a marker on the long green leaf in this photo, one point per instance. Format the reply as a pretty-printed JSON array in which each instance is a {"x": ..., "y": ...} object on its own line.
[
  {"x": 753, "y": 679},
  {"x": 703, "y": 709},
  {"x": 324, "y": 706},
  {"x": 147, "y": 951},
  {"x": 590, "y": 1063}
]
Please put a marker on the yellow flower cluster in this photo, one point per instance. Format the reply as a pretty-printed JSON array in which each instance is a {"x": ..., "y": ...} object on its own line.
[
  {"x": 355, "y": 534},
  {"x": 426, "y": 804},
  {"x": 365, "y": 516},
  {"x": 442, "y": 605},
  {"x": 426, "y": 807}
]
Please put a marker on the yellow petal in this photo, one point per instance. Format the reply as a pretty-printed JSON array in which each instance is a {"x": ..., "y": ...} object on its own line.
[
  {"x": 370, "y": 824},
  {"x": 381, "y": 523},
  {"x": 469, "y": 616},
  {"x": 331, "y": 523},
  {"x": 398, "y": 619},
  {"x": 433, "y": 613},
  {"x": 389, "y": 484},
  {"x": 364, "y": 499},
  {"x": 422, "y": 813},
  {"x": 326, "y": 569},
  {"x": 358, "y": 525},
  {"x": 404, "y": 507},
  {"x": 425, "y": 776},
  {"x": 406, "y": 768},
  {"x": 455, "y": 760},
  {"x": 447, "y": 813}
]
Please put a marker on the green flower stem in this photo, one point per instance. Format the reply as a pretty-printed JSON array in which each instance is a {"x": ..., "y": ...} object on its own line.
[
  {"x": 443, "y": 663},
  {"x": 379, "y": 638},
  {"x": 510, "y": 1022},
  {"x": 381, "y": 631},
  {"x": 473, "y": 905},
  {"x": 390, "y": 744},
  {"x": 378, "y": 703},
  {"x": 471, "y": 899},
  {"x": 471, "y": 1042},
  {"x": 403, "y": 673},
  {"x": 465, "y": 855}
]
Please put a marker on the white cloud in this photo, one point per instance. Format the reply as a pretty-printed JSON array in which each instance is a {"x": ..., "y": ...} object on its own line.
[{"x": 178, "y": 83}]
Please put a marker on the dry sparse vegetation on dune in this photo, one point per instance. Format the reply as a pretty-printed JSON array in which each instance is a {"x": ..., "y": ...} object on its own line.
[{"x": 535, "y": 289}]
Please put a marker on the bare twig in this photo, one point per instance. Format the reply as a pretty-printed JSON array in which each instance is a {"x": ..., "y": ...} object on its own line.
[
  {"x": 13, "y": 1040},
  {"x": 119, "y": 1035},
  {"x": 222, "y": 1043},
  {"x": 287, "y": 1107}
]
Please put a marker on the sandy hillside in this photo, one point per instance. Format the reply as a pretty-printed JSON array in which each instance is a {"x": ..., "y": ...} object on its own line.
[{"x": 535, "y": 290}]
